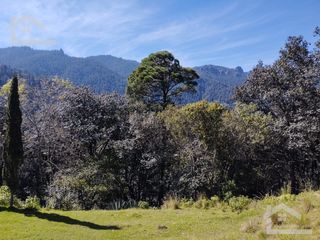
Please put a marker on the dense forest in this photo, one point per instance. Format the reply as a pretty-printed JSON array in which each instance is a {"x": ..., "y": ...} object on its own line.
[{"x": 85, "y": 150}]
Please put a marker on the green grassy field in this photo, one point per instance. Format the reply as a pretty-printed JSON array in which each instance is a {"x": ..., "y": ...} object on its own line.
[{"x": 137, "y": 224}]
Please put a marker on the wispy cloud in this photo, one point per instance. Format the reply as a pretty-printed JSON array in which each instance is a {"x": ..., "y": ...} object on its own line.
[{"x": 197, "y": 32}]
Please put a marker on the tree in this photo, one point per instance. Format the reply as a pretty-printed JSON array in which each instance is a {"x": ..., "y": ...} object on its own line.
[
  {"x": 289, "y": 91},
  {"x": 196, "y": 130},
  {"x": 159, "y": 80},
  {"x": 13, "y": 148}
]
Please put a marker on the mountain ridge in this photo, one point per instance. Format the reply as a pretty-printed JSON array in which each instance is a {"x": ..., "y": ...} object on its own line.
[{"x": 107, "y": 73}]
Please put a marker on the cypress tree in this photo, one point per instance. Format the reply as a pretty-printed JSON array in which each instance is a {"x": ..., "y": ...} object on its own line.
[{"x": 13, "y": 148}]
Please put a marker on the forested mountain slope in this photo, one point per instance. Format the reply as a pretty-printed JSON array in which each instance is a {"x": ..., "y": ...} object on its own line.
[{"x": 106, "y": 73}]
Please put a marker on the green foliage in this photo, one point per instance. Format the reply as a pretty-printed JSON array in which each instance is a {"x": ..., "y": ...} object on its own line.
[
  {"x": 143, "y": 205},
  {"x": 228, "y": 190},
  {"x": 32, "y": 203},
  {"x": 203, "y": 119},
  {"x": 4, "y": 196},
  {"x": 288, "y": 90},
  {"x": 75, "y": 192},
  {"x": 159, "y": 80},
  {"x": 238, "y": 204},
  {"x": 62, "y": 82},
  {"x": 5, "y": 89},
  {"x": 249, "y": 123},
  {"x": 13, "y": 148},
  {"x": 287, "y": 197}
]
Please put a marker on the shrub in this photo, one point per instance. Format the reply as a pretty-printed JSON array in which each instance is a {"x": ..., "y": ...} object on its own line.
[
  {"x": 119, "y": 204},
  {"x": 4, "y": 196},
  {"x": 214, "y": 201},
  {"x": 171, "y": 203},
  {"x": 18, "y": 203},
  {"x": 202, "y": 203},
  {"x": 270, "y": 200},
  {"x": 143, "y": 205},
  {"x": 287, "y": 197},
  {"x": 186, "y": 203},
  {"x": 228, "y": 190},
  {"x": 238, "y": 204},
  {"x": 32, "y": 203}
]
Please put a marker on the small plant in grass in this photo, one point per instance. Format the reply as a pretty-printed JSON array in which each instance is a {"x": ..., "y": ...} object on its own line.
[
  {"x": 252, "y": 226},
  {"x": 143, "y": 205},
  {"x": 262, "y": 235},
  {"x": 306, "y": 205},
  {"x": 238, "y": 204},
  {"x": 304, "y": 222},
  {"x": 171, "y": 203},
  {"x": 32, "y": 203}
]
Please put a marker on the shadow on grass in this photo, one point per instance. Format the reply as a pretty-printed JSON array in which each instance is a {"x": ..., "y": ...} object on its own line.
[{"x": 60, "y": 218}]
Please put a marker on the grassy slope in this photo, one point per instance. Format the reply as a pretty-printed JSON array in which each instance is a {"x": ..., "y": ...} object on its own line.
[{"x": 135, "y": 224}]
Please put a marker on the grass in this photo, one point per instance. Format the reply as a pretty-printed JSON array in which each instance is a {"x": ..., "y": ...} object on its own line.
[{"x": 138, "y": 224}]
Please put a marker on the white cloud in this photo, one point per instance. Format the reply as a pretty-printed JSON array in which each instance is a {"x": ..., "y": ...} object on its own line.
[{"x": 132, "y": 29}]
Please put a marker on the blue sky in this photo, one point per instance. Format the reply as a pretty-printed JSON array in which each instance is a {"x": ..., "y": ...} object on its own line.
[{"x": 227, "y": 33}]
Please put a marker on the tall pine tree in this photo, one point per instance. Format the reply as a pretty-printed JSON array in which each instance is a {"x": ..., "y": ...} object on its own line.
[{"x": 13, "y": 148}]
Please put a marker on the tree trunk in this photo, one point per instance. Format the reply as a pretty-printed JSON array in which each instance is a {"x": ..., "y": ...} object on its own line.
[
  {"x": 293, "y": 179},
  {"x": 11, "y": 200},
  {"x": 1, "y": 173}
]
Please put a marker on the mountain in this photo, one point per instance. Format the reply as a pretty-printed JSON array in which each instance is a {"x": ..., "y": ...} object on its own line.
[
  {"x": 216, "y": 83},
  {"x": 8, "y": 72},
  {"x": 101, "y": 73},
  {"x": 106, "y": 73}
]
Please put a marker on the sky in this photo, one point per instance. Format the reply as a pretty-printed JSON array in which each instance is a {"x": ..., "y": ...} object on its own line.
[{"x": 197, "y": 32}]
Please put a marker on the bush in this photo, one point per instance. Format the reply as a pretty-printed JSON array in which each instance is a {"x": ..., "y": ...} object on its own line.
[
  {"x": 270, "y": 200},
  {"x": 228, "y": 190},
  {"x": 186, "y": 203},
  {"x": 63, "y": 200},
  {"x": 238, "y": 204},
  {"x": 32, "y": 203},
  {"x": 4, "y": 196},
  {"x": 203, "y": 203},
  {"x": 214, "y": 201},
  {"x": 287, "y": 197},
  {"x": 18, "y": 203},
  {"x": 63, "y": 194},
  {"x": 171, "y": 203},
  {"x": 143, "y": 205}
]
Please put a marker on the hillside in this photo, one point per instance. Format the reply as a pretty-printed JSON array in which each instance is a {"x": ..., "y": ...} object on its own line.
[
  {"x": 7, "y": 72},
  {"x": 106, "y": 73},
  {"x": 216, "y": 83},
  {"x": 101, "y": 73}
]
